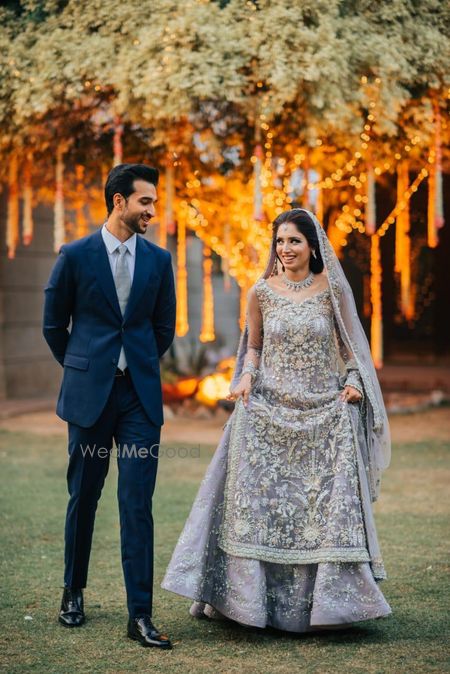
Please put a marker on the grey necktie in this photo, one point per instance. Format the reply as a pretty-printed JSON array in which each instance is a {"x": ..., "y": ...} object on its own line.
[{"x": 122, "y": 280}]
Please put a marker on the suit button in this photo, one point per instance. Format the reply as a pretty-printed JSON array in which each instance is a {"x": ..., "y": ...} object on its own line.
[
  {"x": 122, "y": 329},
  {"x": 114, "y": 361}
]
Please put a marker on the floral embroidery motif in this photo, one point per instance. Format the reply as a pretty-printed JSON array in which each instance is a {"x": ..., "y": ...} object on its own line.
[
  {"x": 292, "y": 491},
  {"x": 281, "y": 528}
]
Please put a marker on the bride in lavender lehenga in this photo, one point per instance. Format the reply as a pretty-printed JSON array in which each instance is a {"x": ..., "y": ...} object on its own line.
[{"x": 281, "y": 532}]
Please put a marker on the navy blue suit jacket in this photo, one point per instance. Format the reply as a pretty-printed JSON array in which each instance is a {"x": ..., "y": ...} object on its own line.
[{"x": 81, "y": 292}]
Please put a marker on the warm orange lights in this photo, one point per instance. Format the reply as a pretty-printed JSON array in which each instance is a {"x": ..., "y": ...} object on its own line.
[
  {"x": 207, "y": 330},
  {"x": 212, "y": 388},
  {"x": 117, "y": 142},
  {"x": 216, "y": 386},
  {"x": 182, "y": 325},
  {"x": 403, "y": 243},
  {"x": 376, "y": 324},
  {"x": 27, "y": 215},
  {"x": 80, "y": 218},
  {"x": 435, "y": 197},
  {"x": 12, "y": 218},
  {"x": 59, "y": 229},
  {"x": 370, "y": 210},
  {"x": 167, "y": 222}
]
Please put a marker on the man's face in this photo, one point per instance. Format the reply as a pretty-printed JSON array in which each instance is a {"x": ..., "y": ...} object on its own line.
[{"x": 139, "y": 208}]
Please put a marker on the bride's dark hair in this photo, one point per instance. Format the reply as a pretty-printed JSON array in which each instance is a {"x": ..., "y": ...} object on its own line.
[{"x": 305, "y": 226}]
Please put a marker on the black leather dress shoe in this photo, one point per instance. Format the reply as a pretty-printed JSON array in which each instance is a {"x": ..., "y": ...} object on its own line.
[
  {"x": 72, "y": 608},
  {"x": 143, "y": 630}
]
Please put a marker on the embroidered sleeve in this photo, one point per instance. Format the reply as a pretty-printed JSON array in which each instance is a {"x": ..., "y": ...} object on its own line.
[
  {"x": 353, "y": 377},
  {"x": 255, "y": 334}
]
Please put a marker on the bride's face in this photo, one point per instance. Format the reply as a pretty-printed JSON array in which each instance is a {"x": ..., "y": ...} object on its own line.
[{"x": 292, "y": 247}]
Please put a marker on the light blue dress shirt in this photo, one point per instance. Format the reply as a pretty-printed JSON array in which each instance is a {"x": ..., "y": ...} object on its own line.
[{"x": 112, "y": 244}]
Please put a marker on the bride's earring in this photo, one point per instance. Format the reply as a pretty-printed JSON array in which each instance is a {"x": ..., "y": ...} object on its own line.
[{"x": 314, "y": 254}]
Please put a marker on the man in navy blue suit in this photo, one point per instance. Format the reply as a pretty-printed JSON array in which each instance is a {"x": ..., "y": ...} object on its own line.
[{"x": 116, "y": 291}]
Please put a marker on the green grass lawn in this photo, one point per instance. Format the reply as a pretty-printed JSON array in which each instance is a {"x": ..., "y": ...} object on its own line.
[{"x": 411, "y": 519}]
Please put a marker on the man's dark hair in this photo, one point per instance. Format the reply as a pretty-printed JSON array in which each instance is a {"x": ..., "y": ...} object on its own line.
[{"x": 121, "y": 181}]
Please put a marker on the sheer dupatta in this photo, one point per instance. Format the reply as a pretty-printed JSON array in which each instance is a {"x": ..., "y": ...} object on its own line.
[{"x": 376, "y": 454}]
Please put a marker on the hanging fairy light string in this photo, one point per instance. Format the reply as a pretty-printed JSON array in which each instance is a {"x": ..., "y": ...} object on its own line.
[
  {"x": 247, "y": 219},
  {"x": 370, "y": 215},
  {"x": 258, "y": 213},
  {"x": 353, "y": 217},
  {"x": 27, "y": 195},
  {"x": 207, "y": 329},
  {"x": 376, "y": 323},
  {"x": 306, "y": 185},
  {"x": 182, "y": 324},
  {"x": 117, "y": 142},
  {"x": 337, "y": 232},
  {"x": 341, "y": 174},
  {"x": 276, "y": 197},
  {"x": 59, "y": 233},
  {"x": 80, "y": 217},
  {"x": 403, "y": 244},
  {"x": 345, "y": 174},
  {"x": 201, "y": 225},
  {"x": 249, "y": 235},
  {"x": 435, "y": 198},
  {"x": 12, "y": 217},
  {"x": 167, "y": 222},
  {"x": 349, "y": 219},
  {"x": 245, "y": 252},
  {"x": 403, "y": 203},
  {"x": 376, "y": 269},
  {"x": 376, "y": 334}
]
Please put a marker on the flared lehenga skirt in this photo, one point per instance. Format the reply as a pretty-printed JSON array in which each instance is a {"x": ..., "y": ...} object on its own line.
[{"x": 281, "y": 532}]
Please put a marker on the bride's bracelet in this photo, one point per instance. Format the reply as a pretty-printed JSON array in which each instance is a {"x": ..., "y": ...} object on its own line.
[{"x": 250, "y": 369}]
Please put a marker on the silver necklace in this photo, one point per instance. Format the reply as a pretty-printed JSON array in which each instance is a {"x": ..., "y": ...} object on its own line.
[{"x": 298, "y": 285}]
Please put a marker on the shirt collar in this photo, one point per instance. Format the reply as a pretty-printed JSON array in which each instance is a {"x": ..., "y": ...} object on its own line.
[{"x": 112, "y": 243}]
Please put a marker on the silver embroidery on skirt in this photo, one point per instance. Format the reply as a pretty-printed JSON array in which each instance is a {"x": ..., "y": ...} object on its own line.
[{"x": 281, "y": 532}]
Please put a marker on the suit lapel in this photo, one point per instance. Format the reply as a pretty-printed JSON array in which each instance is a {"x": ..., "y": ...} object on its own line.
[
  {"x": 100, "y": 262},
  {"x": 142, "y": 269}
]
